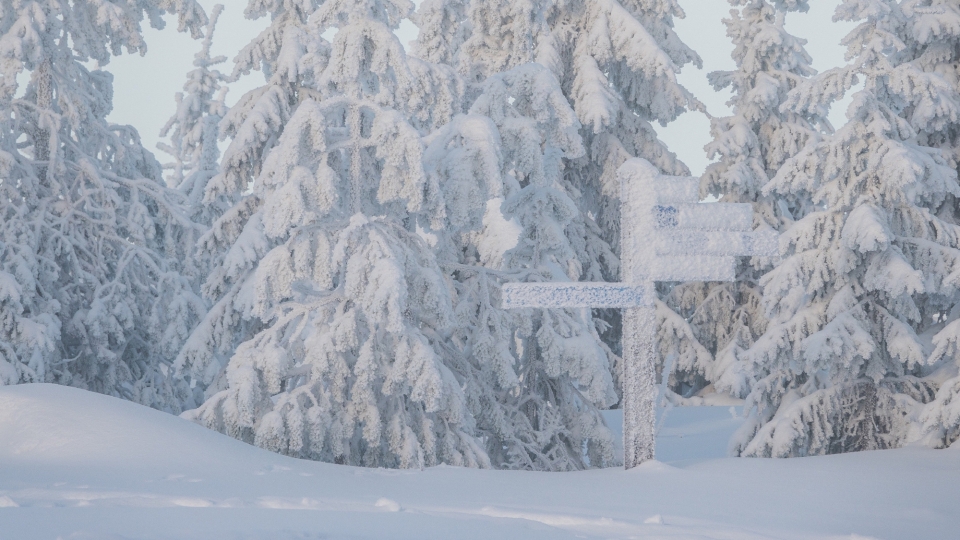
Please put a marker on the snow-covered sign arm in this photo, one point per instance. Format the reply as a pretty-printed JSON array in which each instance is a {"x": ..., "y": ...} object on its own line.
[{"x": 576, "y": 295}]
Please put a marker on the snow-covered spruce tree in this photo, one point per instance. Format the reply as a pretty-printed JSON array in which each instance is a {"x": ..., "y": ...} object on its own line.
[
  {"x": 617, "y": 64},
  {"x": 751, "y": 145},
  {"x": 290, "y": 57},
  {"x": 839, "y": 366},
  {"x": 90, "y": 239},
  {"x": 194, "y": 130},
  {"x": 931, "y": 36},
  {"x": 345, "y": 311},
  {"x": 485, "y": 39},
  {"x": 536, "y": 377}
]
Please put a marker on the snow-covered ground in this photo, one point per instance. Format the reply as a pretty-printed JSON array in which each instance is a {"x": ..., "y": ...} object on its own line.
[{"x": 76, "y": 465}]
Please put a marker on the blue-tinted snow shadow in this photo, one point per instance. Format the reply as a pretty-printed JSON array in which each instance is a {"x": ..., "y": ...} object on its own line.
[{"x": 687, "y": 433}]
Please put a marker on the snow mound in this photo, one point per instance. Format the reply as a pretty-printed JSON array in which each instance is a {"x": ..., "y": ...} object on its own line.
[
  {"x": 79, "y": 466},
  {"x": 62, "y": 426}
]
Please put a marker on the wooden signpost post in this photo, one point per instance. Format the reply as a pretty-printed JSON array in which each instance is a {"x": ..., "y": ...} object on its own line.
[{"x": 666, "y": 235}]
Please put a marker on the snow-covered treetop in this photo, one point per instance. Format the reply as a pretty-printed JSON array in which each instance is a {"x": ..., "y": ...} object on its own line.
[
  {"x": 755, "y": 141},
  {"x": 290, "y": 55},
  {"x": 633, "y": 47},
  {"x": 367, "y": 61},
  {"x": 93, "y": 30},
  {"x": 761, "y": 45},
  {"x": 888, "y": 51},
  {"x": 194, "y": 128},
  {"x": 898, "y": 99}
]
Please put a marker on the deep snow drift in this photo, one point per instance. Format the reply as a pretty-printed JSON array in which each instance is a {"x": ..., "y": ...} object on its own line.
[{"x": 77, "y": 465}]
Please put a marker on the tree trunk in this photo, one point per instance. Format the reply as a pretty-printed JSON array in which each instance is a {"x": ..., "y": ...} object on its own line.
[{"x": 41, "y": 143}]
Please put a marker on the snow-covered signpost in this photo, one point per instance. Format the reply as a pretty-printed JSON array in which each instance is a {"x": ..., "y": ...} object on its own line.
[{"x": 665, "y": 236}]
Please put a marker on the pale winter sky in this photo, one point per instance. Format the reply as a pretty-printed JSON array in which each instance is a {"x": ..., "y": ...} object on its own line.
[{"x": 145, "y": 86}]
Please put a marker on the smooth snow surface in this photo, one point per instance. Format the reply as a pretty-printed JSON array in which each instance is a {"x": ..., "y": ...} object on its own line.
[{"x": 77, "y": 465}]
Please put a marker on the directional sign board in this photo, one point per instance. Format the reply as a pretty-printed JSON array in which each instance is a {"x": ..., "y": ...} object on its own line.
[
  {"x": 666, "y": 236},
  {"x": 669, "y": 236},
  {"x": 677, "y": 189},
  {"x": 704, "y": 217},
  {"x": 576, "y": 295},
  {"x": 680, "y": 242},
  {"x": 694, "y": 268}
]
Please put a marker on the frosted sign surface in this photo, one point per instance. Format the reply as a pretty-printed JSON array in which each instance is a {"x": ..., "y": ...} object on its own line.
[{"x": 575, "y": 295}]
